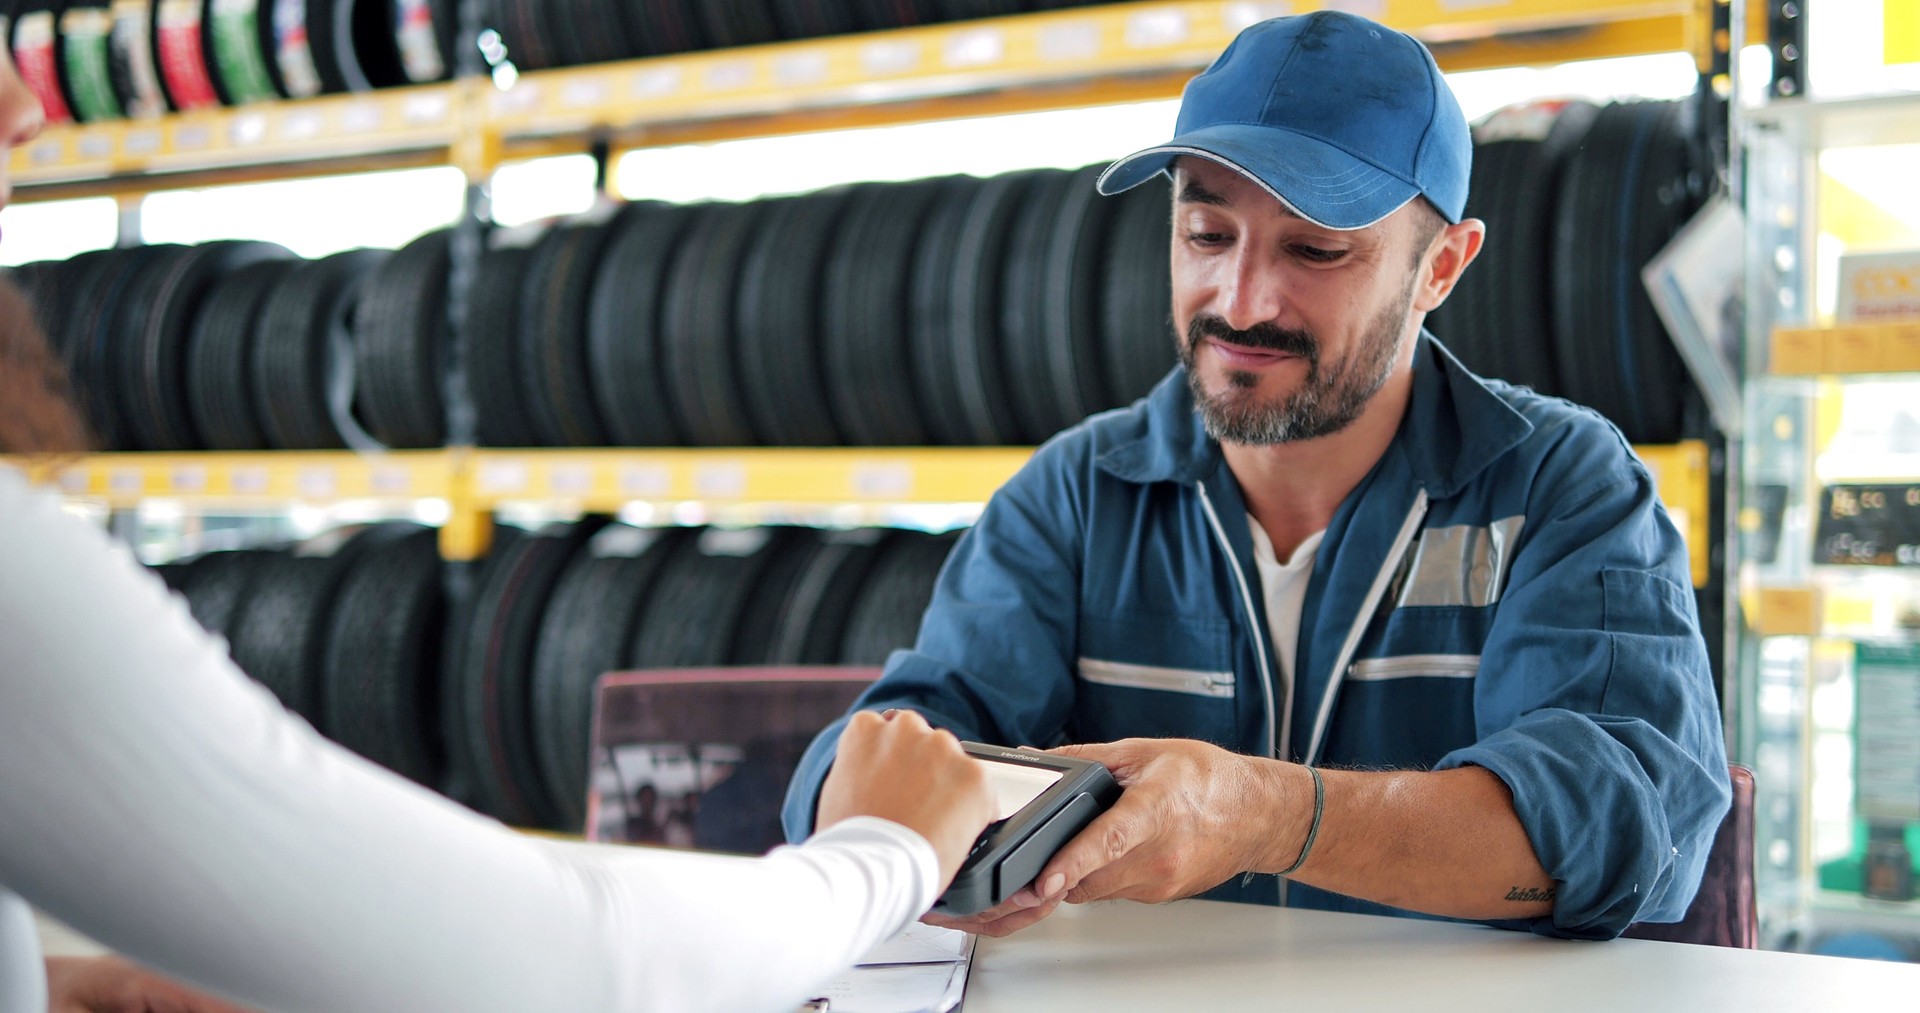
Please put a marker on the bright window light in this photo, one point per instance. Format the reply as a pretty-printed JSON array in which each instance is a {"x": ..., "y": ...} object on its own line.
[
  {"x": 525, "y": 192},
  {"x": 311, "y": 217},
  {"x": 56, "y": 230}
]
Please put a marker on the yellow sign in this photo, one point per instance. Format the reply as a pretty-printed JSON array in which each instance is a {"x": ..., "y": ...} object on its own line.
[{"x": 1902, "y": 19}]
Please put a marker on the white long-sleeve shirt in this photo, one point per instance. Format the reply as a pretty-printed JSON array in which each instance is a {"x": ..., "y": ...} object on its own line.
[{"x": 155, "y": 799}]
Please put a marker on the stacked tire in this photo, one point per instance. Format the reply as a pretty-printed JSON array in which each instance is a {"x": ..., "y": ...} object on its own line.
[
  {"x": 1576, "y": 199},
  {"x": 491, "y": 701}
]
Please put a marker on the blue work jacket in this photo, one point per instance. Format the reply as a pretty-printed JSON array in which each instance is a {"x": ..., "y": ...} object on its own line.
[{"x": 1503, "y": 589}]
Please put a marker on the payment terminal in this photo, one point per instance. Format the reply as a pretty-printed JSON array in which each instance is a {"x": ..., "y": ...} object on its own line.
[{"x": 1044, "y": 800}]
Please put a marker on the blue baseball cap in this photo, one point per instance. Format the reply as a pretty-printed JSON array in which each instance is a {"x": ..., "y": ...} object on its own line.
[{"x": 1341, "y": 119}]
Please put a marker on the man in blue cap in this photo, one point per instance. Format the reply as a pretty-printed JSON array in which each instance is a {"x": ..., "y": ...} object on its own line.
[{"x": 1357, "y": 629}]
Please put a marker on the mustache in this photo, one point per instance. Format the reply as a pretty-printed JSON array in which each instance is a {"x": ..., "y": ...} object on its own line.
[{"x": 1265, "y": 336}]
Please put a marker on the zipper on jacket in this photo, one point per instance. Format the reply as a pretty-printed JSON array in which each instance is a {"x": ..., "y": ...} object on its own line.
[
  {"x": 1401, "y": 543},
  {"x": 1218, "y": 685},
  {"x": 1256, "y": 621}
]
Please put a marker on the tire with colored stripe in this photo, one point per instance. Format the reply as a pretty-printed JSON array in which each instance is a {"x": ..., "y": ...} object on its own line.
[
  {"x": 179, "y": 42},
  {"x": 86, "y": 59},
  {"x": 131, "y": 60}
]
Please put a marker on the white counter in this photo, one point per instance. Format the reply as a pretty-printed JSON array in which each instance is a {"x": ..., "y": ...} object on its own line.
[{"x": 1215, "y": 957}]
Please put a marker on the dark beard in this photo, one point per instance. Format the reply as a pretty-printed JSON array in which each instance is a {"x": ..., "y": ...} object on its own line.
[{"x": 1328, "y": 400}]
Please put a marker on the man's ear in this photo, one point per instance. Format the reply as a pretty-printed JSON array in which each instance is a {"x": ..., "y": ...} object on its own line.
[{"x": 1453, "y": 249}]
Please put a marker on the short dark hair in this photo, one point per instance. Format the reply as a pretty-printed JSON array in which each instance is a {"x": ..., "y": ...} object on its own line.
[
  {"x": 1427, "y": 224},
  {"x": 39, "y": 418}
]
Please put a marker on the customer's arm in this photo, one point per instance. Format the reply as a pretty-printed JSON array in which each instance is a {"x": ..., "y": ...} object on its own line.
[{"x": 155, "y": 800}]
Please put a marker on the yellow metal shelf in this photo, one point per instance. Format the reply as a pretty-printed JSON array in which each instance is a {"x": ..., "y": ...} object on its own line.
[
  {"x": 1084, "y": 56},
  {"x": 476, "y": 482},
  {"x": 1884, "y": 346}
]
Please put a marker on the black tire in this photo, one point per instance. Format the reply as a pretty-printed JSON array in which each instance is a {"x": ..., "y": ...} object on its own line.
[
  {"x": 181, "y": 57},
  {"x": 219, "y": 582},
  {"x": 220, "y": 391},
  {"x": 812, "y": 19},
  {"x": 302, "y": 52},
  {"x": 886, "y": 616},
  {"x": 979, "y": 358},
  {"x": 1136, "y": 301},
  {"x": 624, "y": 337},
  {"x": 698, "y": 337},
  {"x": 556, "y": 379},
  {"x": 85, "y": 53},
  {"x": 730, "y": 24},
  {"x": 383, "y": 657},
  {"x": 492, "y": 688},
  {"x": 279, "y": 631},
  {"x": 400, "y": 346},
  {"x": 303, "y": 356},
  {"x": 161, "y": 315},
  {"x": 493, "y": 343},
  {"x": 97, "y": 288},
  {"x": 1075, "y": 259},
  {"x": 777, "y": 323},
  {"x": 1024, "y": 311},
  {"x": 931, "y": 317},
  {"x": 362, "y": 42},
  {"x": 33, "y": 41},
  {"x": 424, "y": 33},
  {"x": 813, "y": 619},
  {"x": 238, "y": 35},
  {"x": 692, "y": 619},
  {"x": 589, "y": 622},
  {"x": 661, "y": 27},
  {"x": 133, "y": 64}
]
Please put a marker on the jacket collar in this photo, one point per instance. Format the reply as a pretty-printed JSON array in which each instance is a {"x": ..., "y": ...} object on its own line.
[{"x": 1455, "y": 426}]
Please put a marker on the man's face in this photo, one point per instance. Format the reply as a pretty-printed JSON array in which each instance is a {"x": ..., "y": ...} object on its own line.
[{"x": 1287, "y": 329}]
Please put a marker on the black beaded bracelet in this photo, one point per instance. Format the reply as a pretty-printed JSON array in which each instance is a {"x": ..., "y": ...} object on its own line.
[{"x": 1313, "y": 829}]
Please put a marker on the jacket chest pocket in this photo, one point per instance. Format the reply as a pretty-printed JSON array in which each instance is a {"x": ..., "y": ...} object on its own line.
[{"x": 1155, "y": 676}]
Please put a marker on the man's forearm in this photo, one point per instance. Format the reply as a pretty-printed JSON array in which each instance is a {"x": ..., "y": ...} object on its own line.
[{"x": 1440, "y": 842}]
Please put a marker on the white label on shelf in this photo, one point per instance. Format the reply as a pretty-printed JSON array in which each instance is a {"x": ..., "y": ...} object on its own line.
[
  {"x": 889, "y": 57},
  {"x": 1466, "y": 5},
  {"x": 1241, "y": 16},
  {"x": 503, "y": 477},
  {"x": 95, "y": 145},
  {"x": 73, "y": 481},
  {"x": 656, "y": 82},
  {"x": 570, "y": 480},
  {"x": 317, "y": 481},
  {"x": 46, "y": 153},
  {"x": 392, "y": 480},
  {"x": 1152, "y": 29},
  {"x": 645, "y": 481},
  {"x": 522, "y": 98},
  {"x": 795, "y": 70},
  {"x": 126, "y": 481},
  {"x": 720, "y": 480},
  {"x": 885, "y": 480},
  {"x": 360, "y": 118},
  {"x": 1077, "y": 40},
  {"x": 976, "y": 48},
  {"x": 301, "y": 125},
  {"x": 731, "y": 75},
  {"x": 430, "y": 107},
  {"x": 584, "y": 93},
  {"x": 247, "y": 129},
  {"x": 190, "y": 478},
  {"x": 249, "y": 481},
  {"x": 192, "y": 138},
  {"x": 144, "y": 141},
  {"x": 1375, "y": 9}
]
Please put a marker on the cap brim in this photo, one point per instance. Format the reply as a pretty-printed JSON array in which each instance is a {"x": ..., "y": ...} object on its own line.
[{"x": 1314, "y": 179}]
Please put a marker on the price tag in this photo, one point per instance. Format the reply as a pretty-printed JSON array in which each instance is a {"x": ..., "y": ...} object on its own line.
[
  {"x": 645, "y": 481},
  {"x": 73, "y": 481},
  {"x": 796, "y": 70},
  {"x": 890, "y": 57},
  {"x": 658, "y": 82},
  {"x": 46, "y": 153},
  {"x": 317, "y": 482},
  {"x": 720, "y": 480},
  {"x": 519, "y": 100},
  {"x": 249, "y": 481},
  {"x": 360, "y": 118},
  {"x": 502, "y": 478},
  {"x": 729, "y": 76},
  {"x": 1079, "y": 40},
  {"x": 301, "y": 126},
  {"x": 1241, "y": 16},
  {"x": 192, "y": 138},
  {"x": 142, "y": 142},
  {"x": 1153, "y": 29},
  {"x": 96, "y": 145},
  {"x": 392, "y": 480},
  {"x": 247, "y": 130},
  {"x": 584, "y": 93},
  {"x": 1377, "y": 9},
  {"x": 571, "y": 480},
  {"x": 190, "y": 479},
  {"x": 976, "y": 48},
  {"x": 126, "y": 482},
  {"x": 431, "y": 107},
  {"x": 882, "y": 480}
]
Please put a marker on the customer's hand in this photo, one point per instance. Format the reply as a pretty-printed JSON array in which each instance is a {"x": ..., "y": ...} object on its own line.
[
  {"x": 1193, "y": 815},
  {"x": 113, "y": 985},
  {"x": 898, "y": 768}
]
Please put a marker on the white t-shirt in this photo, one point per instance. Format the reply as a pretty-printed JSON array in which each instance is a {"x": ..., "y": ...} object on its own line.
[
  {"x": 1285, "y": 588},
  {"x": 155, "y": 799}
]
